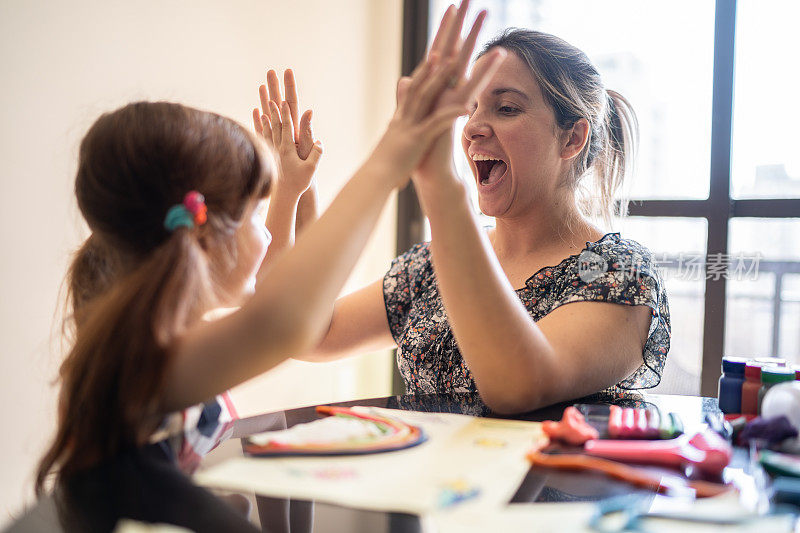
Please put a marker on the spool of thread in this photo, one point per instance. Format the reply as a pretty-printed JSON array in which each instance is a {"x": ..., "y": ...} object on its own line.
[{"x": 730, "y": 384}]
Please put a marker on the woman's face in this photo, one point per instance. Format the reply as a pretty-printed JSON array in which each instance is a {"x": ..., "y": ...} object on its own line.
[
  {"x": 512, "y": 142},
  {"x": 252, "y": 241}
]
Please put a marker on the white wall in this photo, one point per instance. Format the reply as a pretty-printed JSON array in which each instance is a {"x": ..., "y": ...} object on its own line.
[{"x": 63, "y": 63}]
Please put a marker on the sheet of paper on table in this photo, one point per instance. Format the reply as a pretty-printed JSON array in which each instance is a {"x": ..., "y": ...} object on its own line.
[{"x": 466, "y": 460}]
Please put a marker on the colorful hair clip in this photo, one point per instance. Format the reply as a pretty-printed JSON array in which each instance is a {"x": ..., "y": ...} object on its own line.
[{"x": 192, "y": 212}]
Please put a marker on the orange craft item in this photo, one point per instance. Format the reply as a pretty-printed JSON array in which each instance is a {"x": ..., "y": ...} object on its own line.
[{"x": 572, "y": 429}]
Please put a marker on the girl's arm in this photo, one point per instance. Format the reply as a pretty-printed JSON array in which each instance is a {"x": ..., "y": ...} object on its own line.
[
  {"x": 291, "y": 309},
  {"x": 293, "y": 199}
]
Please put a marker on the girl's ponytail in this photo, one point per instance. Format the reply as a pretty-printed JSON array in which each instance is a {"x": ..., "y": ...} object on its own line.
[{"x": 112, "y": 378}]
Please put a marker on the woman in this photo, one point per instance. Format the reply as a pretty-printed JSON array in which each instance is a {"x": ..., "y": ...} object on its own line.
[{"x": 476, "y": 310}]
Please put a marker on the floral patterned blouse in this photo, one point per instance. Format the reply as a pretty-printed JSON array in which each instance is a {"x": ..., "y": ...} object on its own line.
[{"x": 611, "y": 270}]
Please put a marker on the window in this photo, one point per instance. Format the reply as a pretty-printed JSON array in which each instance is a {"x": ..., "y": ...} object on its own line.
[{"x": 717, "y": 180}]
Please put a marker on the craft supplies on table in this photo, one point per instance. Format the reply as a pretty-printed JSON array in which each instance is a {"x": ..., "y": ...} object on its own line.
[
  {"x": 706, "y": 451},
  {"x": 345, "y": 432},
  {"x": 750, "y": 387},
  {"x": 783, "y": 400},
  {"x": 613, "y": 421},
  {"x": 771, "y": 376},
  {"x": 466, "y": 461},
  {"x": 730, "y": 384}
]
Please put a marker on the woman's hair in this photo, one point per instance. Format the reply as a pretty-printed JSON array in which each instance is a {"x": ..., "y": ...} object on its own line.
[
  {"x": 572, "y": 86},
  {"x": 134, "y": 286}
]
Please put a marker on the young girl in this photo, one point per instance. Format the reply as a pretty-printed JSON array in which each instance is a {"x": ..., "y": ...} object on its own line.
[{"x": 172, "y": 195}]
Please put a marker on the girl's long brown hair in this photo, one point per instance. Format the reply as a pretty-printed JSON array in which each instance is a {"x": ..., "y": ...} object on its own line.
[{"x": 135, "y": 287}]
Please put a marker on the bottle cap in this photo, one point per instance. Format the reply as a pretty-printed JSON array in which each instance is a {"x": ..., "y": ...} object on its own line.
[
  {"x": 777, "y": 361},
  {"x": 752, "y": 370},
  {"x": 733, "y": 365},
  {"x": 776, "y": 374}
]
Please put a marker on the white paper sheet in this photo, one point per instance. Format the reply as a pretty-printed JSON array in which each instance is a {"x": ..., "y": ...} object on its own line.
[{"x": 466, "y": 462}]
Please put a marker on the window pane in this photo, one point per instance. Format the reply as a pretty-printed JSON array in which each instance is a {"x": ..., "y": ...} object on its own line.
[
  {"x": 633, "y": 44},
  {"x": 763, "y": 307},
  {"x": 790, "y": 318},
  {"x": 679, "y": 246},
  {"x": 765, "y": 161}
]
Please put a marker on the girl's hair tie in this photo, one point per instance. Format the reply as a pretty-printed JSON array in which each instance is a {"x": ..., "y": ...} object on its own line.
[{"x": 192, "y": 212}]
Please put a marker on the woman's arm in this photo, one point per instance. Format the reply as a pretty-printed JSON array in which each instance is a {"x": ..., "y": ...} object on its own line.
[
  {"x": 358, "y": 325},
  {"x": 519, "y": 364}
]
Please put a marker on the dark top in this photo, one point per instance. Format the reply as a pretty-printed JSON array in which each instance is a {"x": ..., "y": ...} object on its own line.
[{"x": 611, "y": 270}]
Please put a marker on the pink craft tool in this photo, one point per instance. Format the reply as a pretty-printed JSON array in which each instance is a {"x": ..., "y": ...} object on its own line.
[
  {"x": 706, "y": 451},
  {"x": 614, "y": 421},
  {"x": 653, "y": 424},
  {"x": 628, "y": 428}
]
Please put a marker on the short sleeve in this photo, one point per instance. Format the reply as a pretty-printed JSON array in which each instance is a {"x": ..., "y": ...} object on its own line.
[
  {"x": 401, "y": 283},
  {"x": 623, "y": 273}
]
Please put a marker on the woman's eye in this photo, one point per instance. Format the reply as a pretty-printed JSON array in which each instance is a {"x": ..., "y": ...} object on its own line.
[{"x": 507, "y": 110}]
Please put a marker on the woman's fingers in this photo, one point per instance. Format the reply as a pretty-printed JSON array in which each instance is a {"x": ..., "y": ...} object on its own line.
[
  {"x": 450, "y": 44},
  {"x": 481, "y": 74},
  {"x": 402, "y": 88},
  {"x": 287, "y": 131},
  {"x": 277, "y": 125},
  {"x": 290, "y": 91},
  {"x": 469, "y": 45},
  {"x": 314, "y": 154},
  {"x": 306, "y": 141},
  {"x": 425, "y": 94},
  {"x": 274, "y": 87},
  {"x": 442, "y": 119},
  {"x": 264, "y": 99},
  {"x": 419, "y": 77},
  {"x": 444, "y": 25}
]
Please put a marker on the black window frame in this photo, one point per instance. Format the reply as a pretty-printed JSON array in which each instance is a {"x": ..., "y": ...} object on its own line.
[{"x": 718, "y": 209}]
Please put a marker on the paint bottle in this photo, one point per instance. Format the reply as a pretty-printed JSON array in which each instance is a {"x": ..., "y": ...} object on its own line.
[
  {"x": 771, "y": 376},
  {"x": 751, "y": 386},
  {"x": 730, "y": 384}
]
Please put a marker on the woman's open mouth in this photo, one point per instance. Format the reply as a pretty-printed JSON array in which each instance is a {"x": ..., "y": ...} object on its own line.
[{"x": 490, "y": 170}]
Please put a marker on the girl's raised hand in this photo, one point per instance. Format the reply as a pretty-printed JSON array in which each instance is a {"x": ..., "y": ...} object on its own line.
[
  {"x": 436, "y": 93},
  {"x": 277, "y": 120}
]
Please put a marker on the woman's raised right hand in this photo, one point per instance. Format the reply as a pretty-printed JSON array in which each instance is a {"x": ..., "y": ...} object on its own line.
[{"x": 436, "y": 93}]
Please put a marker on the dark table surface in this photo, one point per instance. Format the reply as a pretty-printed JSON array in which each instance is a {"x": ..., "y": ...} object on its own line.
[{"x": 143, "y": 485}]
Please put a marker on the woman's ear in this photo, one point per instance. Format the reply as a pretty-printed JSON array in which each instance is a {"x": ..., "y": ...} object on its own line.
[{"x": 575, "y": 139}]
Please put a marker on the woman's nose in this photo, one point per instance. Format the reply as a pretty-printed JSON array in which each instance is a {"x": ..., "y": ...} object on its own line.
[{"x": 476, "y": 128}]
